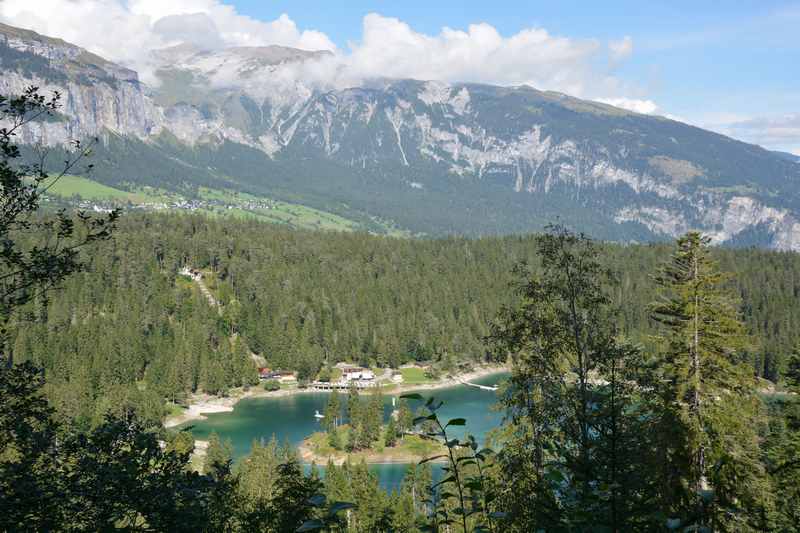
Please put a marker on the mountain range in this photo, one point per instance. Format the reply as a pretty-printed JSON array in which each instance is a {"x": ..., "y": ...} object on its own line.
[{"x": 434, "y": 158}]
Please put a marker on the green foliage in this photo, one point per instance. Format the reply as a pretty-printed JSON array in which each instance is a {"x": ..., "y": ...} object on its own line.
[
  {"x": 37, "y": 254},
  {"x": 709, "y": 413},
  {"x": 53, "y": 478},
  {"x": 391, "y": 433},
  {"x": 218, "y": 460},
  {"x": 333, "y": 411},
  {"x": 573, "y": 410},
  {"x": 182, "y": 443},
  {"x": 792, "y": 374},
  {"x": 464, "y": 497},
  {"x": 272, "y": 385},
  {"x": 603, "y": 434},
  {"x": 340, "y": 297},
  {"x": 324, "y": 374}
]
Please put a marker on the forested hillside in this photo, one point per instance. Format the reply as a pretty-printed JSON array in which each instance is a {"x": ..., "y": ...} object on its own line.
[{"x": 131, "y": 331}]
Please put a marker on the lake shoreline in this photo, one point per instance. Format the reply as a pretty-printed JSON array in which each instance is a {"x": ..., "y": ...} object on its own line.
[{"x": 203, "y": 404}]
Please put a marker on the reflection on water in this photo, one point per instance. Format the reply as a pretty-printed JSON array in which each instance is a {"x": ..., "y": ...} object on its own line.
[{"x": 290, "y": 419}]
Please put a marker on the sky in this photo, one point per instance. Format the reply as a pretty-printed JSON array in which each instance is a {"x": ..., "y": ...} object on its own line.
[{"x": 730, "y": 66}]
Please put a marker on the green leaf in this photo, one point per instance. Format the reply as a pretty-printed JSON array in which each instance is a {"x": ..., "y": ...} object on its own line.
[
  {"x": 456, "y": 422},
  {"x": 317, "y": 500},
  {"x": 311, "y": 525},
  {"x": 429, "y": 459},
  {"x": 431, "y": 404},
  {"x": 412, "y": 396},
  {"x": 555, "y": 476},
  {"x": 445, "y": 480},
  {"x": 419, "y": 419},
  {"x": 341, "y": 506},
  {"x": 474, "y": 485}
]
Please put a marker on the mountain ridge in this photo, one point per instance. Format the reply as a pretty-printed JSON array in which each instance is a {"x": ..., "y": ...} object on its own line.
[{"x": 456, "y": 157}]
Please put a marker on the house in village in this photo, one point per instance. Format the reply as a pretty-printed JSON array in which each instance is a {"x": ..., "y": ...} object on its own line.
[
  {"x": 192, "y": 273},
  {"x": 284, "y": 376},
  {"x": 357, "y": 374}
]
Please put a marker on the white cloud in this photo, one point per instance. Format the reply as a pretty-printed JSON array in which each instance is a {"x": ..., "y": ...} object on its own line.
[
  {"x": 774, "y": 132},
  {"x": 127, "y": 31},
  {"x": 195, "y": 28},
  {"x": 621, "y": 49},
  {"x": 389, "y": 47},
  {"x": 646, "y": 107}
]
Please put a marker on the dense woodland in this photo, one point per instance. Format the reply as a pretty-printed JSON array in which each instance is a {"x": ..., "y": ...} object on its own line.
[
  {"x": 633, "y": 403},
  {"x": 131, "y": 330}
]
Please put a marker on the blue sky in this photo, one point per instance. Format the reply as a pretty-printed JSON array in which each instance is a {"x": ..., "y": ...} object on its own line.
[{"x": 732, "y": 66}]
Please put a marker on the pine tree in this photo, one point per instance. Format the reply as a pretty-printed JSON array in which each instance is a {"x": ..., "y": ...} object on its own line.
[
  {"x": 353, "y": 406},
  {"x": 710, "y": 410},
  {"x": 334, "y": 438},
  {"x": 332, "y": 412},
  {"x": 391, "y": 433},
  {"x": 405, "y": 417},
  {"x": 792, "y": 373},
  {"x": 218, "y": 457},
  {"x": 354, "y": 437},
  {"x": 257, "y": 475},
  {"x": 373, "y": 418}
]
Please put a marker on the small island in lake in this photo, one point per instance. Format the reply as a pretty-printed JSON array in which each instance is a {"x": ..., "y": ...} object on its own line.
[{"x": 367, "y": 436}]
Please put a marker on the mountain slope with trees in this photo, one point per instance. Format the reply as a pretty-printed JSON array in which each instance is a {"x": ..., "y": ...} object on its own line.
[{"x": 131, "y": 330}]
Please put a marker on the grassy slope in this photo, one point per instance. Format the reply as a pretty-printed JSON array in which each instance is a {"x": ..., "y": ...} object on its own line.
[
  {"x": 86, "y": 189},
  {"x": 295, "y": 215},
  {"x": 414, "y": 376}
]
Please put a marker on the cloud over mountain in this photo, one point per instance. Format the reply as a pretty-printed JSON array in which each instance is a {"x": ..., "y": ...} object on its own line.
[{"x": 388, "y": 47}]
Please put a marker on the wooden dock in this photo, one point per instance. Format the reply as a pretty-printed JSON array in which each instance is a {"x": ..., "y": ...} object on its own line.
[
  {"x": 482, "y": 387},
  {"x": 342, "y": 385}
]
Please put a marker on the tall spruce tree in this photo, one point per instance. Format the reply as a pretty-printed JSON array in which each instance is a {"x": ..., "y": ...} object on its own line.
[
  {"x": 709, "y": 414},
  {"x": 332, "y": 412}
]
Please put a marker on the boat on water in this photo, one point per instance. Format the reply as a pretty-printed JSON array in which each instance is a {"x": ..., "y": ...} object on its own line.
[{"x": 318, "y": 415}]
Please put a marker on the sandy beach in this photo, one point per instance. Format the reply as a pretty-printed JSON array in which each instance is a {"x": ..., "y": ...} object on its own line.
[{"x": 202, "y": 404}]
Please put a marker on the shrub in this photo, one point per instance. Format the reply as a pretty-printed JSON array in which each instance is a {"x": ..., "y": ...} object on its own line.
[{"x": 272, "y": 385}]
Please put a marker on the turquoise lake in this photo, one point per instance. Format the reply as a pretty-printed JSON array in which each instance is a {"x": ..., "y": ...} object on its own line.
[{"x": 291, "y": 419}]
